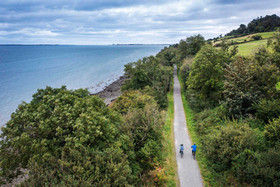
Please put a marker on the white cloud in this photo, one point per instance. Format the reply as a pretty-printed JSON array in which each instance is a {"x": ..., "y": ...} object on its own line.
[{"x": 138, "y": 21}]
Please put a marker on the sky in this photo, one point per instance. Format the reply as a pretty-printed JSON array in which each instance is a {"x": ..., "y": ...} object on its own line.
[{"x": 101, "y": 22}]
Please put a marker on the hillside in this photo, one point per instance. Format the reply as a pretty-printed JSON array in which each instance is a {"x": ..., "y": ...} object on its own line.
[
  {"x": 249, "y": 44},
  {"x": 260, "y": 24}
]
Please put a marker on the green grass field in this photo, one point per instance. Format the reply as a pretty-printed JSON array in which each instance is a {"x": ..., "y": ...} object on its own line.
[{"x": 250, "y": 47}]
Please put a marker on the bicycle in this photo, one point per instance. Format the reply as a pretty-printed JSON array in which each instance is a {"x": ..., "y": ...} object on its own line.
[
  {"x": 193, "y": 154},
  {"x": 182, "y": 153}
]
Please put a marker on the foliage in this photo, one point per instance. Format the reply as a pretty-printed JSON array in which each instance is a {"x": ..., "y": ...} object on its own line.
[
  {"x": 143, "y": 125},
  {"x": 275, "y": 44},
  {"x": 168, "y": 56},
  {"x": 239, "y": 88},
  {"x": 266, "y": 110},
  {"x": 224, "y": 146},
  {"x": 272, "y": 131},
  {"x": 236, "y": 101},
  {"x": 256, "y": 37},
  {"x": 185, "y": 70},
  {"x": 206, "y": 76},
  {"x": 190, "y": 46},
  {"x": 262, "y": 24},
  {"x": 149, "y": 72},
  {"x": 64, "y": 137},
  {"x": 209, "y": 119},
  {"x": 131, "y": 99},
  {"x": 265, "y": 78},
  {"x": 278, "y": 86}
]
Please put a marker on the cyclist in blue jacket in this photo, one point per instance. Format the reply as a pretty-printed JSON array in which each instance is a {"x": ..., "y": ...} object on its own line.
[
  {"x": 193, "y": 149},
  {"x": 182, "y": 148}
]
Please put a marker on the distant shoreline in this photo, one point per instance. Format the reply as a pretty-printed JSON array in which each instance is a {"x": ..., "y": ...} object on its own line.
[{"x": 75, "y": 44}]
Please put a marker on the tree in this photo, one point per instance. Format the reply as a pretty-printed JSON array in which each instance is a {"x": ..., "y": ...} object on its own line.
[
  {"x": 167, "y": 56},
  {"x": 143, "y": 125},
  {"x": 148, "y": 72},
  {"x": 64, "y": 137},
  {"x": 272, "y": 131},
  {"x": 239, "y": 88},
  {"x": 206, "y": 76},
  {"x": 267, "y": 110},
  {"x": 190, "y": 46}
]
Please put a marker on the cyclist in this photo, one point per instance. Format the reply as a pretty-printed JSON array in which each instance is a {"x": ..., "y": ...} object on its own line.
[
  {"x": 193, "y": 149},
  {"x": 182, "y": 149}
]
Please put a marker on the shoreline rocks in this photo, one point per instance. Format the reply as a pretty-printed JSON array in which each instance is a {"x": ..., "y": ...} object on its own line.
[{"x": 112, "y": 91}]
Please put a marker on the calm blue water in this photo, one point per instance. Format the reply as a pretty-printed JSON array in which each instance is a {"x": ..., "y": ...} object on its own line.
[{"x": 24, "y": 69}]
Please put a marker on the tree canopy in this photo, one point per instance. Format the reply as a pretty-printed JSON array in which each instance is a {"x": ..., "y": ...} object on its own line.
[{"x": 64, "y": 137}]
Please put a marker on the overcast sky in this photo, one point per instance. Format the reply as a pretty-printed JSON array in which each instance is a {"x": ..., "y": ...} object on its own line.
[{"x": 124, "y": 21}]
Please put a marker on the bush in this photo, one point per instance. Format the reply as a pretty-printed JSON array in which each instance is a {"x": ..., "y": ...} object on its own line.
[
  {"x": 262, "y": 168},
  {"x": 64, "y": 137},
  {"x": 240, "y": 91},
  {"x": 223, "y": 146},
  {"x": 272, "y": 131},
  {"x": 149, "y": 72},
  {"x": 143, "y": 125},
  {"x": 266, "y": 110},
  {"x": 185, "y": 70},
  {"x": 209, "y": 119},
  {"x": 257, "y": 37}
]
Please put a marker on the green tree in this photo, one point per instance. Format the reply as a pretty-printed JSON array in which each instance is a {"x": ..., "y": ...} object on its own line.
[
  {"x": 190, "y": 46},
  {"x": 143, "y": 125},
  {"x": 167, "y": 56},
  {"x": 239, "y": 88},
  {"x": 206, "y": 76},
  {"x": 64, "y": 137},
  {"x": 185, "y": 70},
  {"x": 272, "y": 131},
  {"x": 149, "y": 72},
  {"x": 266, "y": 110}
]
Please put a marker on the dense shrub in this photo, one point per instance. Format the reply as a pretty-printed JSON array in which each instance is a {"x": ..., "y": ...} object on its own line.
[
  {"x": 64, "y": 137},
  {"x": 149, "y": 72},
  {"x": 272, "y": 131},
  {"x": 266, "y": 110},
  {"x": 240, "y": 92},
  {"x": 143, "y": 125},
  {"x": 223, "y": 146},
  {"x": 256, "y": 37},
  {"x": 265, "y": 78},
  {"x": 168, "y": 56},
  {"x": 185, "y": 70},
  {"x": 209, "y": 119},
  {"x": 260, "y": 168},
  {"x": 131, "y": 99},
  {"x": 190, "y": 46}
]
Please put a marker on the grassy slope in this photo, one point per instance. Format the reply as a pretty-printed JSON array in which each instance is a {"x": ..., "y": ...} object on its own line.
[
  {"x": 170, "y": 164},
  {"x": 250, "y": 47},
  {"x": 206, "y": 173}
]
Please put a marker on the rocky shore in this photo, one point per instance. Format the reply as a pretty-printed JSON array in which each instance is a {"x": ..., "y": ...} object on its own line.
[{"x": 112, "y": 91}]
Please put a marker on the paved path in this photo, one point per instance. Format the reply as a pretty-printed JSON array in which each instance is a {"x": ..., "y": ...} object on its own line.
[{"x": 188, "y": 170}]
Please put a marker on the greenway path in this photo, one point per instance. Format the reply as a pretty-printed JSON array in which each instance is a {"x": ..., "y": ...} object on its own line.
[{"x": 188, "y": 171}]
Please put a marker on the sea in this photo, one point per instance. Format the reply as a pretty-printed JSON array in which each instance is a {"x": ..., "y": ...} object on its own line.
[{"x": 26, "y": 68}]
